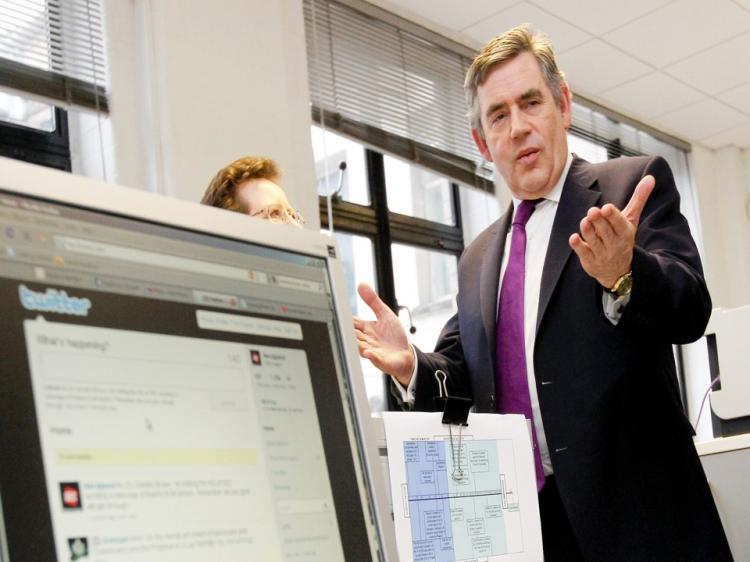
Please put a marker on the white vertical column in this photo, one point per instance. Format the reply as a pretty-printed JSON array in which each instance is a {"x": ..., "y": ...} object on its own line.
[
  {"x": 723, "y": 187},
  {"x": 196, "y": 85}
]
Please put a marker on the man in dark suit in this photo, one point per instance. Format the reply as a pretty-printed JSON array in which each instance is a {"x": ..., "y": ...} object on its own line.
[{"x": 569, "y": 316}]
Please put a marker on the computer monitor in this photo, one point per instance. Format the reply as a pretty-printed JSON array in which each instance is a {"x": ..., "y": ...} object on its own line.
[{"x": 177, "y": 382}]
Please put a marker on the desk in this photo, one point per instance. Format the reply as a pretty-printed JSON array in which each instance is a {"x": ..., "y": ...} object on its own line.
[{"x": 727, "y": 464}]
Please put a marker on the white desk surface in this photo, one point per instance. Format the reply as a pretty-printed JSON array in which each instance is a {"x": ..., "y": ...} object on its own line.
[{"x": 723, "y": 444}]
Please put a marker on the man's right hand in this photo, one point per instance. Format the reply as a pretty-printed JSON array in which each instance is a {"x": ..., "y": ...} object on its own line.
[{"x": 383, "y": 341}]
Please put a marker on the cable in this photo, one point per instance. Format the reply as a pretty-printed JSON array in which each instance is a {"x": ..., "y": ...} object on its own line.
[
  {"x": 412, "y": 327},
  {"x": 342, "y": 168},
  {"x": 333, "y": 196},
  {"x": 703, "y": 402}
]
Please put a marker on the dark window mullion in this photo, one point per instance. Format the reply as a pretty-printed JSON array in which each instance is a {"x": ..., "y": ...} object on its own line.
[
  {"x": 382, "y": 240},
  {"x": 426, "y": 234},
  {"x": 456, "y": 196},
  {"x": 614, "y": 149},
  {"x": 349, "y": 217}
]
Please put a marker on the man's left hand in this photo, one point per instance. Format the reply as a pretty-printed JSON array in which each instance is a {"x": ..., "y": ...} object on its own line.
[{"x": 605, "y": 244}]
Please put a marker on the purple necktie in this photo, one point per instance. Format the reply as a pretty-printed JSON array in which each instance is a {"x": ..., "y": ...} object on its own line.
[{"x": 512, "y": 379}]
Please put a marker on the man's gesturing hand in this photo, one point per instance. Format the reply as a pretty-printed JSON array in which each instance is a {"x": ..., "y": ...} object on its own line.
[
  {"x": 383, "y": 341},
  {"x": 605, "y": 244}
]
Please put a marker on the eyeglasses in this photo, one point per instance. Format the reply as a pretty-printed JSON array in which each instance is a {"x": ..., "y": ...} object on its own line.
[{"x": 279, "y": 214}]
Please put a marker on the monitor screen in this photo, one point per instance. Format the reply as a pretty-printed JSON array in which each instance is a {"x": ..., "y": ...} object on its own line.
[{"x": 172, "y": 393}]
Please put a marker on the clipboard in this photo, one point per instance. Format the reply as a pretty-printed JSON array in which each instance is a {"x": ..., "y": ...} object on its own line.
[{"x": 462, "y": 484}]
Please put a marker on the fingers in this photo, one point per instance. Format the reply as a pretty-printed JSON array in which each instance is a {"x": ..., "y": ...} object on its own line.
[
  {"x": 583, "y": 250},
  {"x": 617, "y": 221},
  {"x": 372, "y": 299},
  {"x": 604, "y": 245},
  {"x": 601, "y": 224},
  {"x": 634, "y": 208},
  {"x": 358, "y": 323},
  {"x": 596, "y": 230},
  {"x": 365, "y": 344},
  {"x": 588, "y": 234},
  {"x": 365, "y": 338}
]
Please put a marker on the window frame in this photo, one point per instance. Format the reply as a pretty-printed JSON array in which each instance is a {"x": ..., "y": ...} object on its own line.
[
  {"x": 385, "y": 227},
  {"x": 51, "y": 149}
]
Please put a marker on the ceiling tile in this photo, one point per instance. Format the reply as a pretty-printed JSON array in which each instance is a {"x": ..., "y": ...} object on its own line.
[
  {"x": 706, "y": 72},
  {"x": 738, "y": 136},
  {"x": 563, "y": 35},
  {"x": 680, "y": 29},
  {"x": 650, "y": 95},
  {"x": 599, "y": 17},
  {"x": 738, "y": 97},
  {"x": 450, "y": 14},
  {"x": 701, "y": 120},
  {"x": 595, "y": 66}
]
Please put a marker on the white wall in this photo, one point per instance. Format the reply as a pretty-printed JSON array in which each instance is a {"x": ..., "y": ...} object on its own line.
[
  {"x": 195, "y": 85},
  {"x": 722, "y": 180}
]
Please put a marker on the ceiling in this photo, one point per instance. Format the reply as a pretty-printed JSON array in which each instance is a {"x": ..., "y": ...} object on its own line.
[{"x": 680, "y": 66}]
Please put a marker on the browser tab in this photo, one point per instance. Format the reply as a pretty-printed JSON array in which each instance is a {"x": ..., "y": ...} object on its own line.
[{"x": 216, "y": 299}]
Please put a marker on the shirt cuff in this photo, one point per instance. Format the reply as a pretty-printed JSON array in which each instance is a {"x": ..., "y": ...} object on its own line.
[
  {"x": 614, "y": 307},
  {"x": 408, "y": 394}
]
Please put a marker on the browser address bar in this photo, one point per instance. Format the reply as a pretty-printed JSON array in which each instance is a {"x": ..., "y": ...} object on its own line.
[{"x": 112, "y": 251}]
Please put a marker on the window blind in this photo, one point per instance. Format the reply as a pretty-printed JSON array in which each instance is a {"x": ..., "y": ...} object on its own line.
[
  {"x": 389, "y": 88},
  {"x": 385, "y": 84},
  {"x": 54, "y": 49}
]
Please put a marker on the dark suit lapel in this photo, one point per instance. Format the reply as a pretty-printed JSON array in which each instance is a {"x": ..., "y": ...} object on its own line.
[
  {"x": 489, "y": 279},
  {"x": 578, "y": 195}
]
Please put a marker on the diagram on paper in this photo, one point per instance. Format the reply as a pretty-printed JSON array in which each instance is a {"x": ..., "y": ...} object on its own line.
[{"x": 476, "y": 516}]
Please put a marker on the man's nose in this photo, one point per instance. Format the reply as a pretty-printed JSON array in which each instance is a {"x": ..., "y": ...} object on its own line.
[{"x": 519, "y": 124}]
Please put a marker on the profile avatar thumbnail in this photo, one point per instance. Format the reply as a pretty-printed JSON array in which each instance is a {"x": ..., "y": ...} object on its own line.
[
  {"x": 78, "y": 547},
  {"x": 71, "y": 495}
]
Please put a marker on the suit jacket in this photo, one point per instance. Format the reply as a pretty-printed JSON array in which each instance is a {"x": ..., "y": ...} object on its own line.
[{"x": 621, "y": 448}]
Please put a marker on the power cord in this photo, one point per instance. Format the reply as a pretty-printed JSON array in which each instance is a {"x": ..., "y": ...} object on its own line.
[{"x": 703, "y": 402}]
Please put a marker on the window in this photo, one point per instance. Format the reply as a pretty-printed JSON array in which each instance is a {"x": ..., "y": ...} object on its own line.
[
  {"x": 401, "y": 229},
  {"x": 51, "y": 50},
  {"x": 27, "y": 113},
  {"x": 54, "y": 49},
  {"x": 338, "y": 150},
  {"x": 418, "y": 192},
  {"x": 586, "y": 149},
  {"x": 34, "y": 132}
]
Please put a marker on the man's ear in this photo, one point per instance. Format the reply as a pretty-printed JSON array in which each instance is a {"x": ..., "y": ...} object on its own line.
[
  {"x": 481, "y": 145},
  {"x": 566, "y": 105}
]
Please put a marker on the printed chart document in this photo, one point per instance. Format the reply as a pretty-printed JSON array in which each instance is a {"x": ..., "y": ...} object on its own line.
[{"x": 467, "y": 494}]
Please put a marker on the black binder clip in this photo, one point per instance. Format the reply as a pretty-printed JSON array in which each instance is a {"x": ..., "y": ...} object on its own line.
[{"x": 455, "y": 412}]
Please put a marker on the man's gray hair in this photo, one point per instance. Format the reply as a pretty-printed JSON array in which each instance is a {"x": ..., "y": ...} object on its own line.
[{"x": 503, "y": 48}]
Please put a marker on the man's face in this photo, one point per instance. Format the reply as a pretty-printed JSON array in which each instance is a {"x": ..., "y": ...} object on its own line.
[
  {"x": 263, "y": 198},
  {"x": 525, "y": 131}
]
